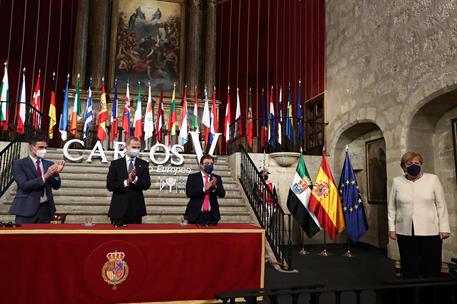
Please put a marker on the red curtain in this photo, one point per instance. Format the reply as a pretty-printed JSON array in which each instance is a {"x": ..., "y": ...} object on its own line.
[{"x": 37, "y": 35}]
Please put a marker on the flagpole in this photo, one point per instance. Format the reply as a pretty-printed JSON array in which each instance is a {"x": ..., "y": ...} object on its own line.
[
  {"x": 348, "y": 248},
  {"x": 324, "y": 252},
  {"x": 303, "y": 251}
]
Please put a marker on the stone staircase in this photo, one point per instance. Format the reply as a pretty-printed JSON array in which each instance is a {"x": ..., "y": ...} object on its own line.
[{"x": 83, "y": 192}]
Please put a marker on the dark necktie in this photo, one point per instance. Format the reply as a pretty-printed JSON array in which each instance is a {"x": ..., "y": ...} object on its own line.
[
  {"x": 131, "y": 165},
  {"x": 38, "y": 172}
]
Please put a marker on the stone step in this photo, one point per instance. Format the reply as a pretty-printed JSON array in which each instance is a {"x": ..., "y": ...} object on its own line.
[
  {"x": 104, "y": 170},
  {"x": 155, "y": 184},
  {"x": 74, "y": 178},
  {"x": 150, "y": 201},
  {"x": 151, "y": 209},
  {"x": 193, "y": 166}
]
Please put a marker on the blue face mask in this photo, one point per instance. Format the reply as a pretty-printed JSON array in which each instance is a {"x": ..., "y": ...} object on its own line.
[
  {"x": 208, "y": 169},
  {"x": 134, "y": 152},
  {"x": 413, "y": 170}
]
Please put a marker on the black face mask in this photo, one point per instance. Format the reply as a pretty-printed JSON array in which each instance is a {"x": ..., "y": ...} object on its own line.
[
  {"x": 265, "y": 177},
  {"x": 413, "y": 170}
]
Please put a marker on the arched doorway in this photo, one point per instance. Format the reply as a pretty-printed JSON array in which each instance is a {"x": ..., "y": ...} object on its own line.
[
  {"x": 367, "y": 149},
  {"x": 431, "y": 133}
]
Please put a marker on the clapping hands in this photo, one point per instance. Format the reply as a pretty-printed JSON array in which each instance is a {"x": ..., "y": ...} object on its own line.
[{"x": 132, "y": 176}]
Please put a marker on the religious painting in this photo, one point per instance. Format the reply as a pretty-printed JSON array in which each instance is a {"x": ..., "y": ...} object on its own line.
[
  {"x": 454, "y": 141},
  {"x": 376, "y": 171},
  {"x": 148, "y": 44}
]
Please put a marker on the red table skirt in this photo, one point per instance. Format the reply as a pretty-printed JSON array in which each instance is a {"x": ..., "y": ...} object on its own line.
[{"x": 149, "y": 263}]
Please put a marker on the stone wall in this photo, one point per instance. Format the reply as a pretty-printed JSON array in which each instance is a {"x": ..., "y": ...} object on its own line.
[{"x": 385, "y": 61}]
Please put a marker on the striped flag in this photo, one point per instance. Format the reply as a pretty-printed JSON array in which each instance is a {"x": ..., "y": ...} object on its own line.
[
  {"x": 103, "y": 115},
  {"x": 173, "y": 117},
  {"x": 88, "y": 118},
  {"x": 63, "y": 124},
  {"x": 280, "y": 117},
  {"x": 289, "y": 117},
  {"x": 52, "y": 108},
  {"x": 195, "y": 114},
  {"x": 21, "y": 112},
  {"x": 183, "y": 132},
  {"x": 75, "y": 113},
  {"x": 4, "y": 99},
  {"x": 298, "y": 200},
  {"x": 263, "y": 122},
  {"x": 214, "y": 127},
  {"x": 138, "y": 121},
  {"x": 126, "y": 113},
  {"x": 206, "y": 119},
  {"x": 272, "y": 124},
  {"x": 160, "y": 119},
  {"x": 227, "y": 121},
  {"x": 325, "y": 201},
  {"x": 35, "y": 103},
  {"x": 238, "y": 126},
  {"x": 249, "y": 123},
  {"x": 149, "y": 117},
  {"x": 114, "y": 119}
]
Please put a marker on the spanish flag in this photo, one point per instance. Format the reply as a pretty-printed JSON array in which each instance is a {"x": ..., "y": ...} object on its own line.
[
  {"x": 102, "y": 115},
  {"x": 325, "y": 201},
  {"x": 52, "y": 108}
]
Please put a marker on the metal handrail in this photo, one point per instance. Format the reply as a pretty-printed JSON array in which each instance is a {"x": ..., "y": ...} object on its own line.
[
  {"x": 439, "y": 290},
  {"x": 10, "y": 153},
  {"x": 267, "y": 209}
]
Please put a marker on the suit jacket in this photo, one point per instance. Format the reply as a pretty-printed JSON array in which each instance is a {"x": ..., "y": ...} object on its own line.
[
  {"x": 128, "y": 199},
  {"x": 30, "y": 187},
  {"x": 194, "y": 191},
  {"x": 420, "y": 203}
]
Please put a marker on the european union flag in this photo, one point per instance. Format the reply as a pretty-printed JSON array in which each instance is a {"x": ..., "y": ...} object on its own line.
[
  {"x": 299, "y": 116},
  {"x": 354, "y": 214}
]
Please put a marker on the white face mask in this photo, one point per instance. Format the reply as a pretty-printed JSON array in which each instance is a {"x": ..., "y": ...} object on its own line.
[
  {"x": 134, "y": 152},
  {"x": 41, "y": 153}
]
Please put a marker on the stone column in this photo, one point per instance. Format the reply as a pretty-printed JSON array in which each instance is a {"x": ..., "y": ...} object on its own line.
[
  {"x": 98, "y": 44},
  {"x": 194, "y": 44},
  {"x": 210, "y": 47},
  {"x": 80, "y": 43}
]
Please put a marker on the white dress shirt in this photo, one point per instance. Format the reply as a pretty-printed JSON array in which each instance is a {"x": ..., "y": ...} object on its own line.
[
  {"x": 420, "y": 203},
  {"x": 43, "y": 198},
  {"x": 209, "y": 179},
  {"x": 127, "y": 162}
]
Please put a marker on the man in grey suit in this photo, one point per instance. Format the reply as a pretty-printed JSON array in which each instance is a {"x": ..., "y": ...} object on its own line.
[{"x": 34, "y": 177}]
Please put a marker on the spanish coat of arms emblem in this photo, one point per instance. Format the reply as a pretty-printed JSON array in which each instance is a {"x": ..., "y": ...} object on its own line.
[{"x": 115, "y": 270}]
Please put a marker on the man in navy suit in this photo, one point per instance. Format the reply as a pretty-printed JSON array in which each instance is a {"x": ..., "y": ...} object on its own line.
[
  {"x": 127, "y": 178},
  {"x": 35, "y": 176},
  {"x": 203, "y": 188}
]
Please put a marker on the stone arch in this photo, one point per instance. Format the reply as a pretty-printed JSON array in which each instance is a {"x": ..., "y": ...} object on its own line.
[{"x": 429, "y": 132}]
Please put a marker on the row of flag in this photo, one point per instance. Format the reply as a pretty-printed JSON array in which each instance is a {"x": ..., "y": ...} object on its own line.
[
  {"x": 271, "y": 124},
  {"x": 324, "y": 205}
]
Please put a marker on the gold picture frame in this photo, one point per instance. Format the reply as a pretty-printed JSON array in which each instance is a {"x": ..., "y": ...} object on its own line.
[{"x": 148, "y": 39}]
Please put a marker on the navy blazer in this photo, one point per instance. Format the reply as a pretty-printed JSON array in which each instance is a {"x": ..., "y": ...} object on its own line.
[
  {"x": 30, "y": 187},
  {"x": 194, "y": 191}
]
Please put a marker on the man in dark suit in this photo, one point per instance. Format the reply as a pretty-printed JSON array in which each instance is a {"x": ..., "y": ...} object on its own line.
[
  {"x": 203, "y": 188},
  {"x": 127, "y": 178},
  {"x": 35, "y": 176}
]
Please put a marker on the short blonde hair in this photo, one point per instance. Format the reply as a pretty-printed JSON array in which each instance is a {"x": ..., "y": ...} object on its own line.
[{"x": 408, "y": 156}]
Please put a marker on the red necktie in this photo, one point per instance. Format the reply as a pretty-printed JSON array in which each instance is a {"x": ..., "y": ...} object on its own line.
[
  {"x": 38, "y": 172},
  {"x": 206, "y": 199}
]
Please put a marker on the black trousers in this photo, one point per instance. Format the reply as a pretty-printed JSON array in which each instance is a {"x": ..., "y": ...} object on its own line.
[
  {"x": 126, "y": 219},
  {"x": 420, "y": 256},
  {"x": 205, "y": 219}
]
